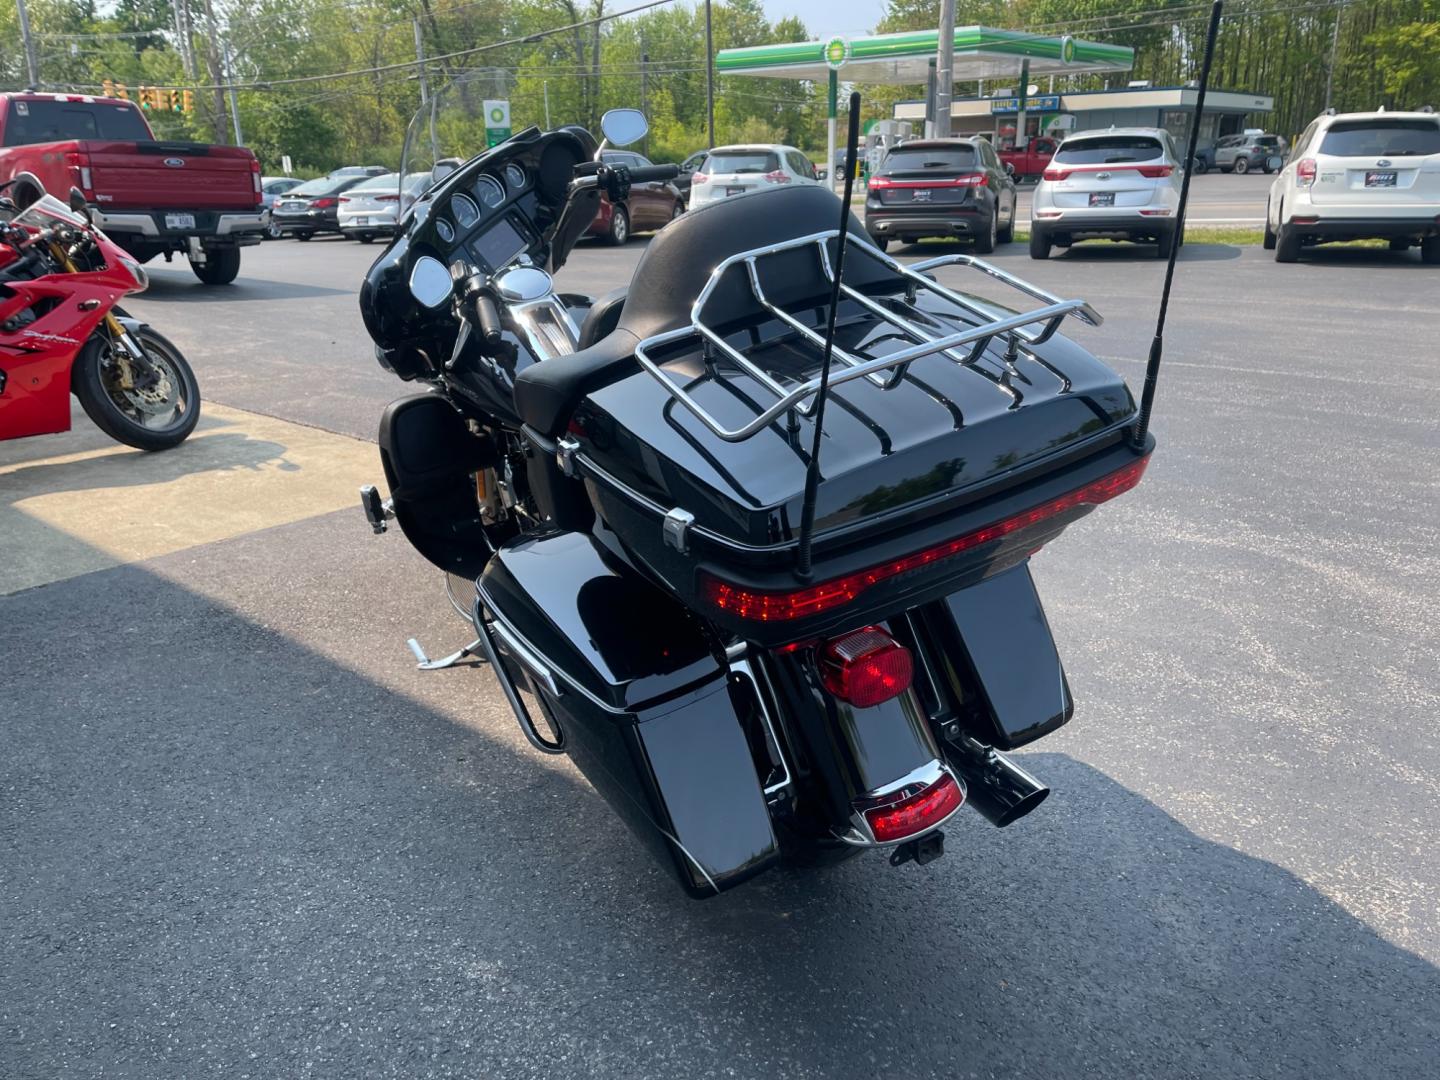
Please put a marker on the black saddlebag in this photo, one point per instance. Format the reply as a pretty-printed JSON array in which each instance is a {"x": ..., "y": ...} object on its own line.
[{"x": 652, "y": 717}]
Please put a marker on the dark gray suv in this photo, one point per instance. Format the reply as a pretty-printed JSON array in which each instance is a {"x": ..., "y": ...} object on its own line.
[{"x": 1242, "y": 153}]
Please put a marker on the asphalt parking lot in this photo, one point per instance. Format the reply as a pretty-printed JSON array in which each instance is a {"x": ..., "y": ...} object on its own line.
[{"x": 241, "y": 836}]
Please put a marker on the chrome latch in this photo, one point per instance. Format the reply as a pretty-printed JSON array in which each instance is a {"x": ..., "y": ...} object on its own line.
[
  {"x": 676, "y": 529},
  {"x": 565, "y": 451}
]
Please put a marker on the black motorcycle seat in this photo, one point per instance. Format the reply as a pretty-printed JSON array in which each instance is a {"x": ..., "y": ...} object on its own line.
[
  {"x": 603, "y": 317},
  {"x": 675, "y": 267}
]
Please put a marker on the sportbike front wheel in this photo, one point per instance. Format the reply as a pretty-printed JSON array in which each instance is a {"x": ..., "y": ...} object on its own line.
[{"x": 153, "y": 406}]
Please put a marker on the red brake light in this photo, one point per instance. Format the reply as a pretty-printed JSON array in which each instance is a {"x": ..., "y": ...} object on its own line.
[
  {"x": 880, "y": 182},
  {"x": 919, "y": 813},
  {"x": 1305, "y": 170},
  {"x": 1053, "y": 173},
  {"x": 779, "y": 176},
  {"x": 1154, "y": 172},
  {"x": 699, "y": 178},
  {"x": 321, "y": 204},
  {"x": 866, "y": 667},
  {"x": 775, "y": 606},
  {"x": 968, "y": 180}
]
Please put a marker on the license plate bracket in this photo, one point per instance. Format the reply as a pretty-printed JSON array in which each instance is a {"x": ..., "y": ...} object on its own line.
[
  {"x": 734, "y": 189},
  {"x": 1383, "y": 178},
  {"x": 1102, "y": 198},
  {"x": 179, "y": 221}
]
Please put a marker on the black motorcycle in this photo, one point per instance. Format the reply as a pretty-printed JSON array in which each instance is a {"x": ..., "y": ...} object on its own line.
[{"x": 756, "y": 657}]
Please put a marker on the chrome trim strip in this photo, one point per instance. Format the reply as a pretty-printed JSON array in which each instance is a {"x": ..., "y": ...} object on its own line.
[
  {"x": 522, "y": 652},
  {"x": 859, "y": 833},
  {"x": 739, "y": 663}
]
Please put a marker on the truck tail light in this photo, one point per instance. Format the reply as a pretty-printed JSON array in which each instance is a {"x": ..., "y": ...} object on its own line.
[
  {"x": 769, "y": 605},
  {"x": 79, "y": 165},
  {"x": 1305, "y": 171},
  {"x": 918, "y": 813},
  {"x": 866, "y": 667}
]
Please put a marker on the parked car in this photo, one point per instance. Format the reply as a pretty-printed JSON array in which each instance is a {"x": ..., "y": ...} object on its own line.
[
  {"x": 1120, "y": 184},
  {"x": 650, "y": 205},
  {"x": 1357, "y": 176},
  {"x": 941, "y": 187},
  {"x": 150, "y": 197},
  {"x": 372, "y": 207},
  {"x": 271, "y": 188},
  {"x": 688, "y": 168},
  {"x": 357, "y": 170},
  {"x": 312, "y": 207},
  {"x": 740, "y": 170},
  {"x": 1241, "y": 153}
]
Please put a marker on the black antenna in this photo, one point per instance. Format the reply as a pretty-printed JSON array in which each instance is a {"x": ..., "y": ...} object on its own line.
[
  {"x": 812, "y": 473},
  {"x": 1157, "y": 347}
]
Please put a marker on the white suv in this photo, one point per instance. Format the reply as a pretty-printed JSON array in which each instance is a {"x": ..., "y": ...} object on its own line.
[
  {"x": 1123, "y": 183},
  {"x": 1357, "y": 176},
  {"x": 740, "y": 170}
]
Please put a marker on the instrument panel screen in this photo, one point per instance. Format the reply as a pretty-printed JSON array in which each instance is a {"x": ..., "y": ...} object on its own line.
[{"x": 500, "y": 243}]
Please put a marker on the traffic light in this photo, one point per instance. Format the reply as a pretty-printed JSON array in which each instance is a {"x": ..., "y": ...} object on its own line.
[
  {"x": 144, "y": 94},
  {"x": 189, "y": 100},
  {"x": 177, "y": 103},
  {"x": 108, "y": 86},
  {"x": 115, "y": 89}
]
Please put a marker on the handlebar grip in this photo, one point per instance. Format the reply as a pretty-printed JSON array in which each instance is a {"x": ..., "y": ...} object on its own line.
[
  {"x": 490, "y": 328},
  {"x": 654, "y": 172}
]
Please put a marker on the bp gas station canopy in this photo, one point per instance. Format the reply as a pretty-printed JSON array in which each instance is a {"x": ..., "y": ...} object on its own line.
[{"x": 981, "y": 52}]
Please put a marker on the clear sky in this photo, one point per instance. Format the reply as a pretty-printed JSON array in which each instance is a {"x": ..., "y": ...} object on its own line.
[{"x": 825, "y": 17}]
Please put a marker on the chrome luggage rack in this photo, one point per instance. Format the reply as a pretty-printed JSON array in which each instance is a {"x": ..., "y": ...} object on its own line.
[{"x": 846, "y": 366}]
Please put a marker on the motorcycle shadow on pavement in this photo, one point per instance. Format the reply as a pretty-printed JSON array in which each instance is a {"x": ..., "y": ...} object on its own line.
[
  {"x": 286, "y": 847},
  {"x": 178, "y": 286}
]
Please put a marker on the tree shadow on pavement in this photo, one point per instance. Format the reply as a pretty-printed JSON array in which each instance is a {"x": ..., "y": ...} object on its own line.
[{"x": 247, "y": 838}]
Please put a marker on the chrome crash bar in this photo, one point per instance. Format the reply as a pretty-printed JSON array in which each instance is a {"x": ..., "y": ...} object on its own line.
[{"x": 1033, "y": 327}]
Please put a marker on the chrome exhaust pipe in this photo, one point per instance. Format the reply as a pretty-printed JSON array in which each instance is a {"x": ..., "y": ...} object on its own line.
[{"x": 997, "y": 787}]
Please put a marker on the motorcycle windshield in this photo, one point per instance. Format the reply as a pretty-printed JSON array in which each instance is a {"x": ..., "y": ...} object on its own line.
[
  {"x": 457, "y": 122},
  {"x": 46, "y": 211}
]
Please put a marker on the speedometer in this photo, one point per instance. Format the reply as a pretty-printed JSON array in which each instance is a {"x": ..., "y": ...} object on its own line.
[
  {"x": 465, "y": 210},
  {"x": 490, "y": 191},
  {"x": 445, "y": 229},
  {"x": 514, "y": 177}
]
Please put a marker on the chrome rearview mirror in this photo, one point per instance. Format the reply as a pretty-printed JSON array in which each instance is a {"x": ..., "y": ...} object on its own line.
[
  {"x": 622, "y": 127},
  {"x": 430, "y": 282}
]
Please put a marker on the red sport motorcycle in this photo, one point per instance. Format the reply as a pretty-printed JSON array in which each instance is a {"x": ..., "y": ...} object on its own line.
[{"x": 61, "y": 332}]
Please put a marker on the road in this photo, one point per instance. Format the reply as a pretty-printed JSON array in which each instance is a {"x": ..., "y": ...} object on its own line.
[{"x": 241, "y": 836}]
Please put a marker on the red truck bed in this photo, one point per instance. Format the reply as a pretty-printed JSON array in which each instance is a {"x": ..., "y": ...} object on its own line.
[{"x": 151, "y": 197}]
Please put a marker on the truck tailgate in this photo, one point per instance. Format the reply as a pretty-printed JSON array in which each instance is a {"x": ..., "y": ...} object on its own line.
[{"x": 171, "y": 175}]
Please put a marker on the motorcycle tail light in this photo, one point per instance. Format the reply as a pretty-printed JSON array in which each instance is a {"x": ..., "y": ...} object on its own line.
[
  {"x": 1305, "y": 170},
  {"x": 779, "y": 176},
  {"x": 917, "y": 814},
  {"x": 763, "y": 605},
  {"x": 865, "y": 667}
]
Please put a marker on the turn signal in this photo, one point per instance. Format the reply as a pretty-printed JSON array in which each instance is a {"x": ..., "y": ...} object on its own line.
[
  {"x": 919, "y": 813},
  {"x": 866, "y": 667}
]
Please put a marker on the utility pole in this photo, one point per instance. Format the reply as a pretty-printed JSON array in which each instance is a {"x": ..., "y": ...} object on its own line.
[
  {"x": 545, "y": 86},
  {"x": 212, "y": 64},
  {"x": 644, "y": 95},
  {"x": 184, "y": 35},
  {"x": 234, "y": 101},
  {"x": 945, "y": 69},
  {"x": 710, "y": 79},
  {"x": 1022, "y": 140},
  {"x": 32, "y": 68},
  {"x": 420, "y": 58},
  {"x": 1334, "y": 46}
]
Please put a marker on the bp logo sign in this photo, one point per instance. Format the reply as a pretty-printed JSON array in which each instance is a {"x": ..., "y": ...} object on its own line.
[
  {"x": 497, "y": 122},
  {"x": 837, "y": 51},
  {"x": 1067, "y": 49}
]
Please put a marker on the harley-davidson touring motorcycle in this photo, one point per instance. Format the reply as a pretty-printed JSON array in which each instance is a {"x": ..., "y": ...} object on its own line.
[
  {"x": 62, "y": 333},
  {"x": 756, "y": 657}
]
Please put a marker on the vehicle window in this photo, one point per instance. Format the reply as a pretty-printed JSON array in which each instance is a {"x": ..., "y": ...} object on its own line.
[
  {"x": 378, "y": 183},
  {"x": 1372, "y": 138},
  {"x": 326, "y": 185},
  {"x": 1109, "y": 150},
  {"x": 1227, "y": 142},
  {"x": 937, "y": 159},
  {"x": 640, "y": 160},
  {"x": 1271, "y": 142},
  {"x": 743, "y": 161},
  {"x": 1304, "y": 139},
  {"x": 55, "y": 121}
]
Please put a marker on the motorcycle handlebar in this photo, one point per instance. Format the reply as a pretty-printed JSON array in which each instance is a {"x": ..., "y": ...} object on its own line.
[
  {"x": 490, "y": 326},
  {"x": 654, "y": 172}
]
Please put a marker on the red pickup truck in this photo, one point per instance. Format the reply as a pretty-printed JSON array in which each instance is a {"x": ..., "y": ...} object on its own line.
[
  {"x": 151, "y": 197},
  {"x": 1030, "y": 163}
]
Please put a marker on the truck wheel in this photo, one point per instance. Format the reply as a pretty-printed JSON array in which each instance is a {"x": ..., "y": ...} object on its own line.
[
  {"x": 156, "y": 416},
  {"x": 220, "y": 266},
  {"x": 1039, "y": 245}
]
